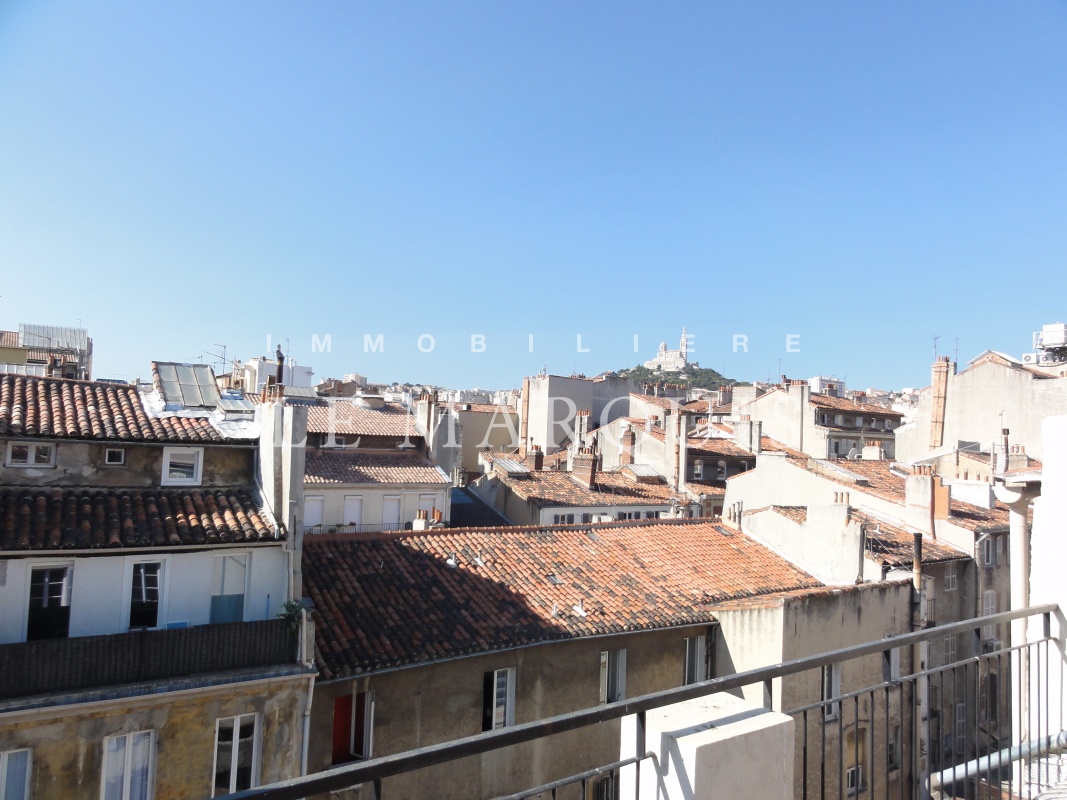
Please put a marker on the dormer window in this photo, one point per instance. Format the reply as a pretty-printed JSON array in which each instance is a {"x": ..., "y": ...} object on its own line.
[
  {"x": 182, "y": 466},
  {"x": 30, "y": 455}
]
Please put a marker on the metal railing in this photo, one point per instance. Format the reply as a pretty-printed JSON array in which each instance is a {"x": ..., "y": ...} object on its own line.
[
  {"x": 876, "y": 742},
  {"x": 85, "y": 662},
  {"x": 357, "y": 527}
]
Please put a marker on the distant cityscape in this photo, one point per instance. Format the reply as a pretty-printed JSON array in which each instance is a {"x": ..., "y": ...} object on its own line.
[{"x": 218, "y": 580}]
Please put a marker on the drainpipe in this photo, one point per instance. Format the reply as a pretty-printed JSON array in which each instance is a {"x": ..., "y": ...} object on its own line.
[
  {"x": 305, "y": 623},
  {"x": 1017, "y": 498},
  {"x": 919, "y": 656}
]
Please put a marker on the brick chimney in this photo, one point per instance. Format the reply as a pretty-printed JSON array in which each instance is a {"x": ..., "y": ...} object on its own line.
[
  {"x": 629, "y": 441},
  {"x": 583, "y": 467},
  {"x": 535, "y": 459},
  {"x": 938, "y": 396}
]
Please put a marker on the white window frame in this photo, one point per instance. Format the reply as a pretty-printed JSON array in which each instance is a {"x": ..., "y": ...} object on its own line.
[
  {"x": 698, "y": 470},
  {"x": 245, "y": 605},
  {"x": 367, "y": 723},
  {"x": 505, "y": 703},
  {"x": 949, "y": 646},
  {"x": 235, "y": 751},
  {"x": 127, "y": 772},
  {"x": 989, "y": 607},
  {"x": 109, "y": 451},
  {"x": 951, "y": 581},
  {"x": 311, "y": 500},
  {"x": 5, "y": 758},
  {"x": 989, "y": 551},
  {"x": 694, "y": 661},
  {"x": 344, "y": 509},
  {"x": 198, "y": 466},
  {"x": 831, "y": 688},
  {"x": 612, "y": 675},
  {"x": 960, "y": 728},
  {"x": 851, "y": 774},
  {"x": 31, "y": 455},
  {"x": 32, "y": 567},
  {"x": 127, "y": 590}
]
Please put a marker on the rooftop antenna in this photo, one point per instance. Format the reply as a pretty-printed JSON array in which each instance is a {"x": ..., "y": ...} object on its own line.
[
  {"x": 956, "y": 355},
  {"x": 221, "y": 358},
  {"x": 935, "y": 347}
]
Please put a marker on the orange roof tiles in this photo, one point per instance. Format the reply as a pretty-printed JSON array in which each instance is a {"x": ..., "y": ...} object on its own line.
[
  {"x": 362, "y": 466},
  {"x": 345, "y": 417},
  {"x": 73, "y": 409},
  {"x": 54, "y": 519},
  {"x": 893, "y": 544},
  {"x": 551, "y": 488},
  {"x": 844, "y": 404},
  {"x": 393, "y": 600}
]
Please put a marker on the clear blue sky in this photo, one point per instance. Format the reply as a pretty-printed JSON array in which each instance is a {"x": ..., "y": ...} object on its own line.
[{"x": 177, "y": 175}]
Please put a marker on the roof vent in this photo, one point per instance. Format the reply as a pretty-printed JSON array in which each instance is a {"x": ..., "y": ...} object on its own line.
[
  {"x": 452, "y": 561},
  {"x": 579, "y": 610}
]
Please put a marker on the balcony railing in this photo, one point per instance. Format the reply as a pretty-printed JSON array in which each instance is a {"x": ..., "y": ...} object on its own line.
[
  {"x": 356, "y": 527},
  {"x": 87, "y": 662},
  {"x": 947, "y": 746}
]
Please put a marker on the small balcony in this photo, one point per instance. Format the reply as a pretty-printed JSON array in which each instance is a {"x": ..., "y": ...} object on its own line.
[
  {"x": 356, "y": 527},
  {"x": 52, "y": 666}
]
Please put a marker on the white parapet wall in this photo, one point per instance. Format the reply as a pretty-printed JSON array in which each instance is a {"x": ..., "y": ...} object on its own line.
[{"x": 712, "y": 747}]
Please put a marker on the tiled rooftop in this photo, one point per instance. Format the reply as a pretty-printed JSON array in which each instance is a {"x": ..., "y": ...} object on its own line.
[
  {"x": 363, "y": 466},
  {"x": 892, "y": 543},
  {"x": 54, "y": 519},
  {"x": 393, "y": 600},
  {"x": 885, "y": 482},
  {"x": 551, "y": 488},
  {"x": 479, "y": 408},
  {"x": 73, "y": 409},
  {"x": 844, "y": 404},
  {"x": 345, "y": 417}
]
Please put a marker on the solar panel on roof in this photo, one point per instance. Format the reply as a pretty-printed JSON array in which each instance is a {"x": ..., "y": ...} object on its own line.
[
  {"x": 510, "y": 466},
  {"x": 236, "y": 404},
  {"x": 188, "y": 384}
]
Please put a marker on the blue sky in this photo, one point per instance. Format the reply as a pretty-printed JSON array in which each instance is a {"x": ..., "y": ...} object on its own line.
[{"x": 178, "y": 175}]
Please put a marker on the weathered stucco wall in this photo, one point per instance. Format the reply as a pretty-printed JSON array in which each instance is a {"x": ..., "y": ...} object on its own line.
[
  {"x": 425, "y": 705},
  {"x": 82, "y": 464},
  {"x": 68, "y": 741}
]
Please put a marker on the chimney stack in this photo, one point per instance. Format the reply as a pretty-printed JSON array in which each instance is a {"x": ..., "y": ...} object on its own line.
[
  {"x": 583, "y": 467},
  {"x": 939, "y": 393},
  {"x": 629, "y": 441},
  {"x": 535, "y": 459},
  {"x": 279, "y": 371}
]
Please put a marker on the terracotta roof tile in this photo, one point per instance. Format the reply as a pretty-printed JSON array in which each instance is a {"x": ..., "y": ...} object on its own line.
[
  {"x": 362, "y": 466},
  {"x": 54, "y": 519},
  {"x": 551, "y": 488},
  {"x": 845, "y": 404},
  {"x": 394, "y": 600},
  {"x": 345, "y": 417},
  {"x": 893, "y": 543},
  {"x": 72, "y": 409}
]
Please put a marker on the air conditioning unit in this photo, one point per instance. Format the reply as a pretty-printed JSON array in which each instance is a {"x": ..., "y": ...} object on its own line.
[
  {"x": 991, "y": 645},
  {"x": 1047, "y": 358},
  {"x": 1029, "y": 358}
]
